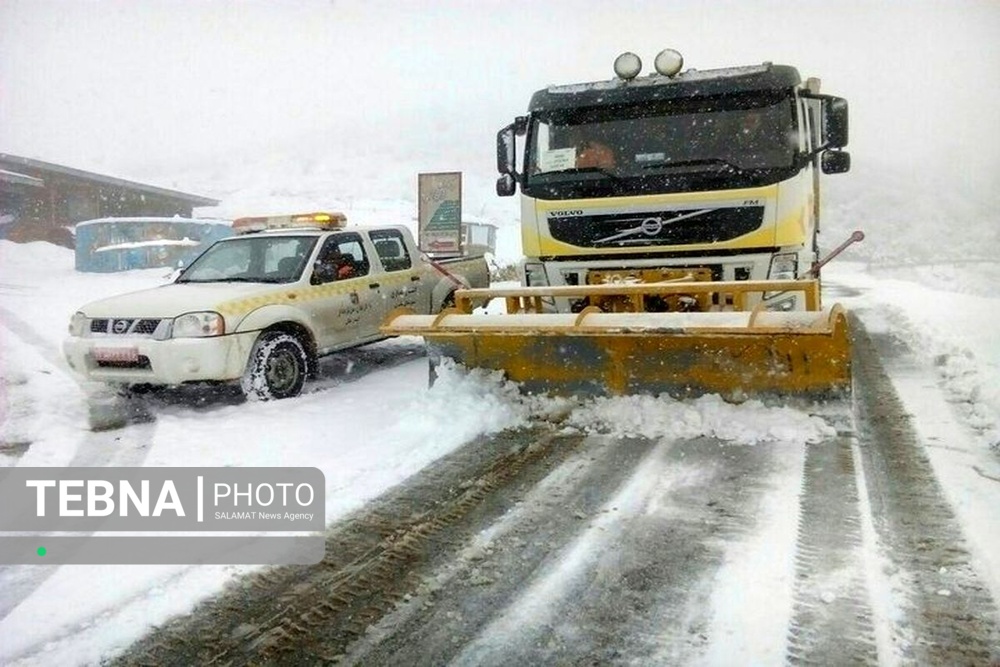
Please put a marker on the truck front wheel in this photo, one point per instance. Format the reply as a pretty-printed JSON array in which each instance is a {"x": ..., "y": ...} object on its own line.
[{"x": 277, "y": 367}]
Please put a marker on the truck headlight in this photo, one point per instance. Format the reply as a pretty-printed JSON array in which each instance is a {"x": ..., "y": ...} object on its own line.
[
  {"x": 784, "y": 267},
  {"x": 77, "y": 324},
  {"x": 198, "y": 325}
]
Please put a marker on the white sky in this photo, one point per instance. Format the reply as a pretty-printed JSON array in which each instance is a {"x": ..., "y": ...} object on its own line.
[{"x": 154, "y": 88}]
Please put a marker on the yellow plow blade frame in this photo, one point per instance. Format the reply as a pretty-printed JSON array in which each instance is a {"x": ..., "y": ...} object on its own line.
[{"x": 734, "y": 352}]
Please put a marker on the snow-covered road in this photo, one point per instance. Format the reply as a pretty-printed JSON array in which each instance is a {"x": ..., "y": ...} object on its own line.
[
  {"x": 942, "y": 362},
  {"x": 822, "y": 539}
]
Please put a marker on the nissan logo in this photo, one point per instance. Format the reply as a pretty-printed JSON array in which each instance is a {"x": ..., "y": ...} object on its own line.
[{"x": 120, "y": 326}]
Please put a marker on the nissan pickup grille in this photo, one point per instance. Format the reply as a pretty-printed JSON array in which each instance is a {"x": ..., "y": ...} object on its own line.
[
  {"x": 123, "y": 326},
  {"x": 672, "y": 227}
]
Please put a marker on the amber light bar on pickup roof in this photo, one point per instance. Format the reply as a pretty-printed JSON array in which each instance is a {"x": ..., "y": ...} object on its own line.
[{"x": 322, "y": 220}]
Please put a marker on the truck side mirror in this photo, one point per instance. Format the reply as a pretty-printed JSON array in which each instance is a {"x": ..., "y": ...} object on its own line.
[
  {"x": 506, "y": 186},
  {"x": 835, "y": 124},
  {"x": 507, "y": 146},
  {"x": 506, "y": 150},
  {"x": 835, "y": 162}
]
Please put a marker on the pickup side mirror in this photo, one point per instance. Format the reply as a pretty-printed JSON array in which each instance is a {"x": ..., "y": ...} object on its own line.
[
  {"x": 835, "y": 126},
  {"x": 835, "y": 162}
]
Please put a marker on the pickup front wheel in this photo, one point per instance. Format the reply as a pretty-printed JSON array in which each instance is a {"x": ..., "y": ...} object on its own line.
[{"x": 277, "y": 367}]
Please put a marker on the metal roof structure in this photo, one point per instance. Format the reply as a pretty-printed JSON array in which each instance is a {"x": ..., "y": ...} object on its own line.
[
  {"x": 19, "y": 179},
  {"x": 9, "y": 160}
]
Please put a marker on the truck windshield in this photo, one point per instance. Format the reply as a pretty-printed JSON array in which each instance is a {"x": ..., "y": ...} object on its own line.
[
  {"x": 732, "y": 135},
  {"x": 252, "y": 259}
]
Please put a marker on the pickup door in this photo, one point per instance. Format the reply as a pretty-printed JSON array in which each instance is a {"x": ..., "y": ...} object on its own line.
[
  {"x": 403, "y": 285},
  {"x": 349, "y": 309}
]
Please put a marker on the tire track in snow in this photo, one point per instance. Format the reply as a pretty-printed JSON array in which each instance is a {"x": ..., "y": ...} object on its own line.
[
  {"x": 832, "y": 618},
  {"x": 947, "y": 614},
  {"x": 307, "y": 614},
  {"x": 613, "y": 563}
]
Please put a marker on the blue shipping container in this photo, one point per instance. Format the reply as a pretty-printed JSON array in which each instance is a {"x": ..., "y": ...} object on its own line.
[{"x": 122, "y": 244}]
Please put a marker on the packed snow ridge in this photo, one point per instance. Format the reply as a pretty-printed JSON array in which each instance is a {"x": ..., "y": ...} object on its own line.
[{"x": 654, "y": 417}]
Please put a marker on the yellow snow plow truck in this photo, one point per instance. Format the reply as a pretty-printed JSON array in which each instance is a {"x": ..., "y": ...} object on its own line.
[{"x": 669, "y": 225}]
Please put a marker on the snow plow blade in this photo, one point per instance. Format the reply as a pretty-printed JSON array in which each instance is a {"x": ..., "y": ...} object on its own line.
[{"x": 736, "y": 353}]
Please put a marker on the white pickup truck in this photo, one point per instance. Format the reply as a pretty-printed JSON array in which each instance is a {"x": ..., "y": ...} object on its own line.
[{"x": 262, "y": 306}]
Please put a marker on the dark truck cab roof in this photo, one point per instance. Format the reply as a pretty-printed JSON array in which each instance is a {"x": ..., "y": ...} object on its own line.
[{"x": 656, "y": 87}]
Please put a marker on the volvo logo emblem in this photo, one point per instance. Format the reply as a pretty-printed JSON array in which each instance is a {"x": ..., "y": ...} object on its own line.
[
  {"x": 120, "y": 326},
  {"x": 651, "y": 226}
]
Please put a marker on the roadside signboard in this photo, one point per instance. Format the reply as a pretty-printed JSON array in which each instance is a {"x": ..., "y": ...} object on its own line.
[{"x": 439, "y": 204}]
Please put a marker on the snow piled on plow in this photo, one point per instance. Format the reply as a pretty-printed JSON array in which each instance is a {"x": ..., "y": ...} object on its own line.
[
  {"x": 653, "y": 417},
  {"x": 656, "y": 417}
]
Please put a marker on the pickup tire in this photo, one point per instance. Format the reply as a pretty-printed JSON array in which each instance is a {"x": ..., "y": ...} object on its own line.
[{"x": 277, "y": 367}]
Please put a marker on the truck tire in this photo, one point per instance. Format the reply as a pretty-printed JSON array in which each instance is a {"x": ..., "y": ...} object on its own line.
[{"x": 277, "y": 368}]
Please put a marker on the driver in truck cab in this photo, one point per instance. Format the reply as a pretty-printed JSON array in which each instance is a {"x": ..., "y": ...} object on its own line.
[{"x": 591, "y": 151}]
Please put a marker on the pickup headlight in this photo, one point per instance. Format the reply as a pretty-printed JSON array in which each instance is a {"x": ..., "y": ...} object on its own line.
[
  {"x": 784, "y": 267},
  {"x": 198, "y": 325},
  {"x": 77, "y": 324}
]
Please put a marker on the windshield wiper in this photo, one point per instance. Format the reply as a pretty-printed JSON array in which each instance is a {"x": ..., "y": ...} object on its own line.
[
  {"x": 603, "y": 171},
  {"x": 250, "y": 279},
  {"x": 717, "y": 162},
  {"x": 232, "y": 279}
]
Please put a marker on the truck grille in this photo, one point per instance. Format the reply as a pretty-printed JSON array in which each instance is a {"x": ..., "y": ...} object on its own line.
[
  {"x": 122, "y": 326},
  {"x": 670, "y": 227}
]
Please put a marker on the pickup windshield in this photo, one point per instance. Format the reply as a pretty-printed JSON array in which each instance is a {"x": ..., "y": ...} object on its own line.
[
  {"x": 251, "y": 259},
  {"x": 711, "y": 137}
]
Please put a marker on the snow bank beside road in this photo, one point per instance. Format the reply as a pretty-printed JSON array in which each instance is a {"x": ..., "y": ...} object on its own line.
[{"x": 952, "y": 317}]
